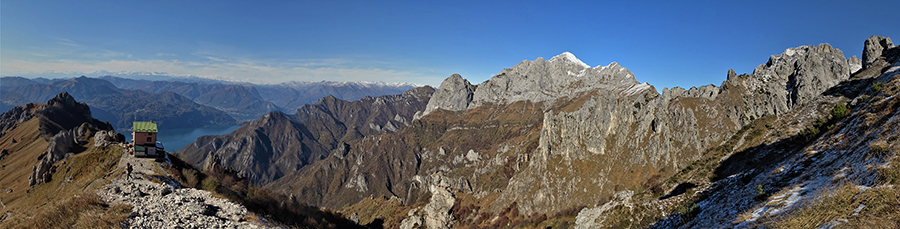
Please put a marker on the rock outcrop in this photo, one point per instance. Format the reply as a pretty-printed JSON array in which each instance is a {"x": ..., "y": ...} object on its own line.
[
  {"x": 594, "y": 217},
  {"x": 108, "y": 137},
  {"x": 63, "y": 113},
  {"x": 855, "y": 64},
  {"x": 873, "y": 48},
  {"x": 10, "y": 119},
  {"x": 806, "y": 71},
  {"x": 435, "y": 214},
  {"x": 57, "y": 148},
  {"x": 454, "y": 94}
]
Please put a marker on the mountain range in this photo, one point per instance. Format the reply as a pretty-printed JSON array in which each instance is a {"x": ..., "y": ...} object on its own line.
[
  {"x": 183, "y": 104},
  {"x": 250, "y": 101},
  {"x": 553, "y": 142},
  {"x": 120, "y": 107}
]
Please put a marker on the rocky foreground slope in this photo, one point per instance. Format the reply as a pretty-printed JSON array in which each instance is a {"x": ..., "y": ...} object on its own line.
[{"x": 164, "y": 203}]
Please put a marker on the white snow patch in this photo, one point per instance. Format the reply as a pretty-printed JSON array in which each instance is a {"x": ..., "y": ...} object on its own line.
[
  {"x": 792, "y": 51},
  {"x": 569, "y": 57},
  {"x": 637, "y": 88},
  {"x": 579, "y": 74}
]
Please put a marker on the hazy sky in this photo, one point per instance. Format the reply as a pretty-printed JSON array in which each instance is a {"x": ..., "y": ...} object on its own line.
[{"x": 665, "y": 43}]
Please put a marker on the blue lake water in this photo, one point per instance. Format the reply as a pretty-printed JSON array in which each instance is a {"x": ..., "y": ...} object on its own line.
[{"x": 175, "y": 139}]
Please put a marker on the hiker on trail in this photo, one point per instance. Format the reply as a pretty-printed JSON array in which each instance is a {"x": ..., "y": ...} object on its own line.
[{"x": 129, "y": 170}]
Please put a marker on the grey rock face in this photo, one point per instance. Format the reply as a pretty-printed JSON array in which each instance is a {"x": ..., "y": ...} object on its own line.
[
  {"x": 454, "y": 94},
  {"x": 855, "y": 64},
  {"x": 588, "y": 217},
  {"x": 873, "y": 49},
  {"x": 650, "y": 132},
  {"x": 106, "y": 138},
  {"x": 57, "y": 148},
  {"x": 10, "y": 119},
  {"x": 804, "y": 71},
  {"x": 548, "y": 80},
  {"x": 435, "y": 214}
]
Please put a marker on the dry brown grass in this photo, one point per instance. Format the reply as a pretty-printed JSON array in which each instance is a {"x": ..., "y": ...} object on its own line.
[
  {"x": 80, "y": 211},
  {"x": 890, "y": 173},
  {"x": 881, "y": 210},
  {"x": 370, "y": 209}
]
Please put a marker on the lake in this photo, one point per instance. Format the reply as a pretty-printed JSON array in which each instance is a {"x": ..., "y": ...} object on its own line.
[{"x": 176, "y": 139}]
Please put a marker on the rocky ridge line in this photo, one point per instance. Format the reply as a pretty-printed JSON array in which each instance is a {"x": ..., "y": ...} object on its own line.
[{"x": 537, "y": 81}]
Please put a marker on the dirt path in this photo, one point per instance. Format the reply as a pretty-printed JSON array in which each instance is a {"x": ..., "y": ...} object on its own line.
[
  {"x": 157, "y": 205},
  {"x": 140, "y": 166}
]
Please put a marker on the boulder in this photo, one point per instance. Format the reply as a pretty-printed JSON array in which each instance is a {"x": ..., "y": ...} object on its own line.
[
  {"x": 58, "y": 148},
  {"x": 106, "y": 138}
]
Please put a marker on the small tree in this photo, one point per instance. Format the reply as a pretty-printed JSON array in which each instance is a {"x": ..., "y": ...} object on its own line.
[{"x": 839, "y": 111}]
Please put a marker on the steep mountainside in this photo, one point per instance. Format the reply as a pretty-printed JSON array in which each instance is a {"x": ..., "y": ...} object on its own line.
[
  {"x": 828, "y": 162},
  {"x": 276, "y": 144},
  {"x": 119, "y": 106},
  {"x": 842, "y": 145},
  {"x": 48, "y": 154},
  {"x": 547, "y": 136}
]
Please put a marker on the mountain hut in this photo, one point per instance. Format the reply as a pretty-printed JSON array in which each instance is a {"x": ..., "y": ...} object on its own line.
[{"x": 144, "y": 136}]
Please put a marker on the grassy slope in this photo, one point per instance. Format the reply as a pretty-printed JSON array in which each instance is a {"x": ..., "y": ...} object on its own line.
[{"x": 68, "y": 200}]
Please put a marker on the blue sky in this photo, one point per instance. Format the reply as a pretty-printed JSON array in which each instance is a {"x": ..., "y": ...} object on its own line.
[{"x": 665, "y": 43}]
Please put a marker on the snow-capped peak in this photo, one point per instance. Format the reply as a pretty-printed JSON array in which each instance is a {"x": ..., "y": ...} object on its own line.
[{"x": 569, "y": 57}]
